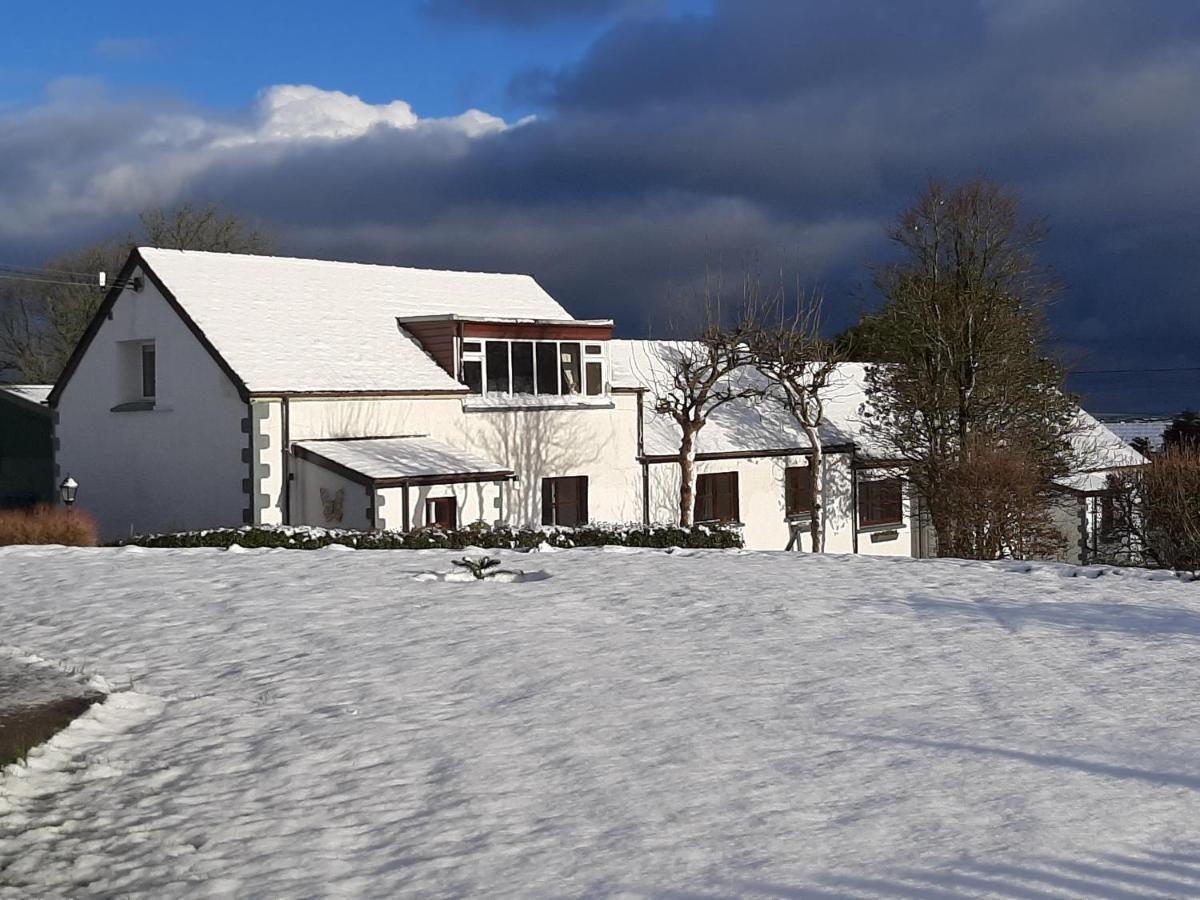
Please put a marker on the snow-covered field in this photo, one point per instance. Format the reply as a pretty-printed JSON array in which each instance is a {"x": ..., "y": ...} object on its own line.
[{"x": 687, "y": 724}]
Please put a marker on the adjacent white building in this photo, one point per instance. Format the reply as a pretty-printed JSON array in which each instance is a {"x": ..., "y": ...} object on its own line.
[{"x": 220, "y": 389}]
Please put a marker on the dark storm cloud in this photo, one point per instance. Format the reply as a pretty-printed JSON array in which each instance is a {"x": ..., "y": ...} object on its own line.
[{"x": 782, "y": 133}]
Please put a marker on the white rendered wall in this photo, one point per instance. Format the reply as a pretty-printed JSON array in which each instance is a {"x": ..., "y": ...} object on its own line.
[
  {"x": 176, "y": 467},
  {"x": 761, "y": 504},
  {"x": 344, "y": 504},
  {"x": 1070, "y": 514},
  {"x": 477, "y": 502},
  {"x": 761, "y": 499},
  {"x": 599, "y": 442}
]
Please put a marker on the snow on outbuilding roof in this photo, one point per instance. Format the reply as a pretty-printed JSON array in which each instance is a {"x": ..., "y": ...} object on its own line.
[
  {"x": 296, "y": 325},
  {"x": 31, "y": 393},
  {"x": 410, "y": 458}
]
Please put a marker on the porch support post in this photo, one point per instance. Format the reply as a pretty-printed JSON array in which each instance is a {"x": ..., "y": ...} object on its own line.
[{"x": 404, "y": 516}]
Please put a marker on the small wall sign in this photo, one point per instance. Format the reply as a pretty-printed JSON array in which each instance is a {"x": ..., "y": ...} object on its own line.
[{"x": 879, "y": 537}]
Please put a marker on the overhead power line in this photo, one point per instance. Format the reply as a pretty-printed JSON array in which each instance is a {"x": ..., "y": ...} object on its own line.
[{"x": 1135, "y": 371}]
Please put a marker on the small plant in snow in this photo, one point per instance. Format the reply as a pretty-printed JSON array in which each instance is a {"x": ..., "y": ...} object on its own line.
[{"x": 484, "y": 567}]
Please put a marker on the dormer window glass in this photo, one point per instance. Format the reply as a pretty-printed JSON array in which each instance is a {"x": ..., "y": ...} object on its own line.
[
  {"x": 569, "y": 355},
  {"x": 497, "y": 367},
  {"x": 524, "y": 367}
]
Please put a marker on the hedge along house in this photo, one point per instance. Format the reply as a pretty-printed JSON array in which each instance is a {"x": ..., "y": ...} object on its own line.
[
  {"x": 218, "y": 389},
  {"x": 26, "y": 446}
]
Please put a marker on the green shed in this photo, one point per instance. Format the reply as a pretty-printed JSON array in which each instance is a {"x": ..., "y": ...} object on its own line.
[{"x": 26, "y": 445}]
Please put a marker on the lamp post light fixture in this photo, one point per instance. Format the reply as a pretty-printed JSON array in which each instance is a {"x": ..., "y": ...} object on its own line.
[{"x": 67, "y": 491}]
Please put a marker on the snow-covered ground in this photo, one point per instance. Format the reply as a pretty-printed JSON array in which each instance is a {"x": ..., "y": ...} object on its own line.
[{"x": 687, "y": 724}]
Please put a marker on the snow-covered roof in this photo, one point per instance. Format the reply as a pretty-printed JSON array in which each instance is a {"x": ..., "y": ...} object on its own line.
[
  {"x": 742, "y": 426},
  {"x": 755, "y": 426},
  {"x": 418, "y": 456},
  {"x": 33, "y": 393},
  {"x": 298, "y": 325},
  {"x": 1097, "y": 448}
]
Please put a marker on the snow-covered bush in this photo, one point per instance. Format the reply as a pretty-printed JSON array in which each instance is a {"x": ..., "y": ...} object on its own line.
[{"x": 484, "y": 537}]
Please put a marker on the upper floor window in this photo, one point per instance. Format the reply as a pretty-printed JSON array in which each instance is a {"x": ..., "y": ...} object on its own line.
[
  {"x": 880, "y": 502},
  {"x": 149, "y": 372},
  {"x": 136, "y": 376},
  {"x": 533, "y": 367}
]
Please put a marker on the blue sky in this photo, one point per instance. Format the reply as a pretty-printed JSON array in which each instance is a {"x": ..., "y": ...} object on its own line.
[
  {"x": 618, "y": 149},
  {"x": 220, "y": 53}
]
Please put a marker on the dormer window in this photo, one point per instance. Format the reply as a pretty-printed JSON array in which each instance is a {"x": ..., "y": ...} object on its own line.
[{"x": 502, "y": 366}]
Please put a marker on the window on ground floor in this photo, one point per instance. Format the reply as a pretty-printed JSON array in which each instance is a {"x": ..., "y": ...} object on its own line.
[
  {"x": 880, "y": 502},
  {"x": 717, "y": 497},
  {"x": 564, "y": 501},
  {"x": 442, "y": 512},
  {"x": 797, "y": 490}
]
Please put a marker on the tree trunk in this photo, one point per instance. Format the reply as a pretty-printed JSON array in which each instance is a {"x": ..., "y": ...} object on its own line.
[
  {"x": 816, "y": 480},
  {"x": 687, "y": 476}
]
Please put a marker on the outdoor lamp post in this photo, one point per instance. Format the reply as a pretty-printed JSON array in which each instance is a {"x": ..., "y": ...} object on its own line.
[{"x": 67, "y": 491}]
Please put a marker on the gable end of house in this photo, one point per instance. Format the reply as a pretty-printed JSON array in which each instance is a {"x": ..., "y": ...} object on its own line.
[{"x": 135, "y": 263}]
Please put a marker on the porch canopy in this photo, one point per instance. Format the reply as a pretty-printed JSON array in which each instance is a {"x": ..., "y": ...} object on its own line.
[{"x": 400, "y": 461}]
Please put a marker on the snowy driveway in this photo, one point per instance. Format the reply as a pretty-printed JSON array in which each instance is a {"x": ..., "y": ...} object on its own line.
[{"x": 640, "y": 723}]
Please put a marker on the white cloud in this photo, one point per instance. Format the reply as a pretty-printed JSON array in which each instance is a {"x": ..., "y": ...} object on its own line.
[
  {"x": 301, "y": 111},
  {"x": 160, "y": 149}
]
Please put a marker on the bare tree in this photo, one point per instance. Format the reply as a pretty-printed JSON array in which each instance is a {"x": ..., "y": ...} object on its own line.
[
  {"x": 42, "y": 318},
  {"x": 1155, "y": 511},
  {"x": 798, "y": 364},
  {"x": 1001, "y": 505},
  {"x": 694, "y": 378},
  {"x": 963, "y": 327},
  {"x": 202, "y": 228}
]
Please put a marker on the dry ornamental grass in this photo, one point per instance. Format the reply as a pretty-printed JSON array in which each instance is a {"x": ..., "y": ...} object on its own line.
[{"x": 47, "y": 525}]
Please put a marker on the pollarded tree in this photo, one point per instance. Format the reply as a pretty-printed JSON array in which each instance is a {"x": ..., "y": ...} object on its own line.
[
  {"x": 692, "y": 379},
  {"x": 963, "y": 325},
  {"x": 798, "y": 364},
  {"x": 699, "y": 377}
]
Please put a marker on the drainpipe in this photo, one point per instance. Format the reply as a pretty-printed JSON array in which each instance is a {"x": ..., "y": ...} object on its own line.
[
  {"x": 285, "y": 416},
  {"x": 854, "y": 506},
  {"x": 641, "y": 449}
]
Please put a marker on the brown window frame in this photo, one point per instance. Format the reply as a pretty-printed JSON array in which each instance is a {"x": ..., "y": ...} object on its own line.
[
  {"x": 869, "y": 490},
  {"x": 431, "y": 516},
  {"x": 708, "y": 505},
  {"x": 555, "y": 501},
  {"x": 796, "y": 482}
]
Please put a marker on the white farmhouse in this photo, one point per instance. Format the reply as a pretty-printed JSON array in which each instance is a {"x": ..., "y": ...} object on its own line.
[{"x": 218, "y": 389}]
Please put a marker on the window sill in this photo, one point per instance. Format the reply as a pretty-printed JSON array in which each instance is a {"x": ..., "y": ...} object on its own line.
[
  {"x": 884, "y": 526},
  {"x": 476, "y": 402},
  {"x": 139, "y": 406},
  {"x": 798, "y": 518},
  {"x": 720, "y": 524}
]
